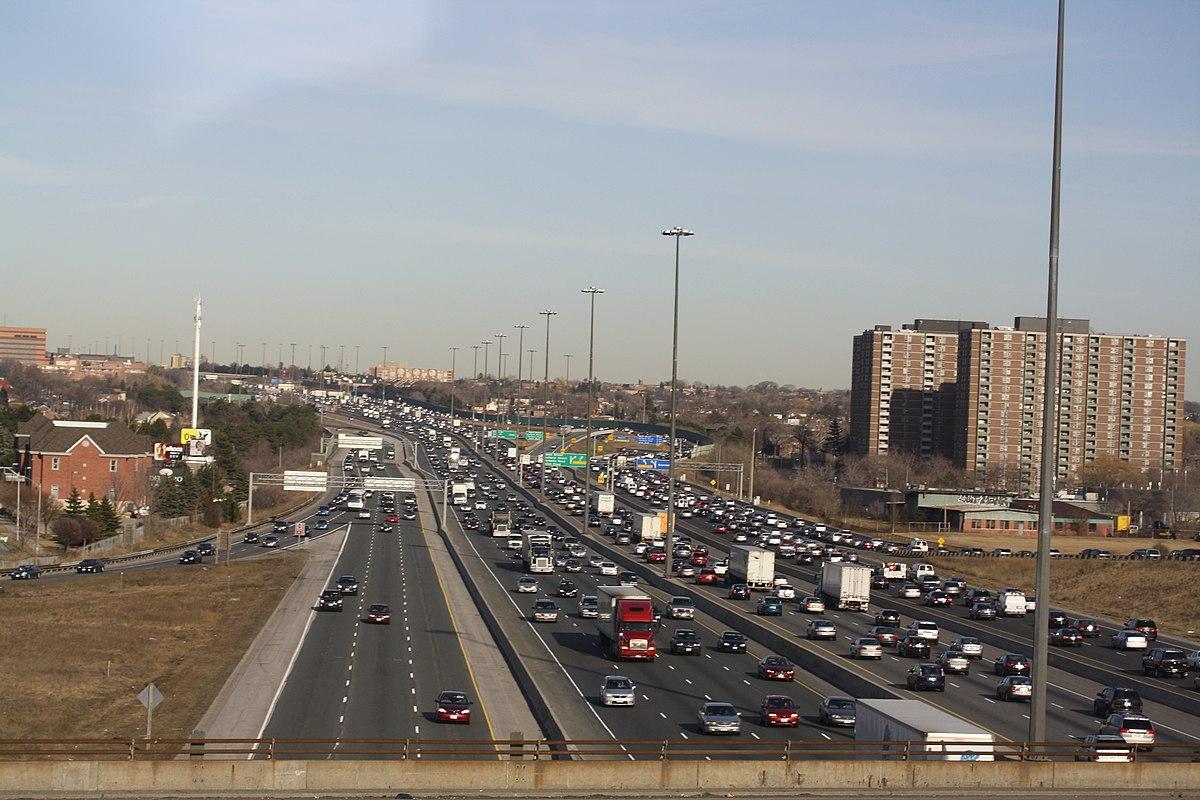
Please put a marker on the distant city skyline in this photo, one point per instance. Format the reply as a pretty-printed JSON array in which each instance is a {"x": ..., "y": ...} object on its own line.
[{"x": 421, "y": 176}]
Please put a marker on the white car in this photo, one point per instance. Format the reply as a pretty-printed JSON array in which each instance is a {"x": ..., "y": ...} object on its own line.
[
  {"x": 924, "y": 630},
  {"x": 617, "y": 690},
  {"x": 608, "y": 568},
  {"x": 779, "y": 580},
  {"x": 481, "y": 505},
  {"x": 515, "y": 543},
  {"x": 813, "y": 605},
  {"x": 721, "y": 567},
  {"x": 785, "y": 591},
  {"x": 364, "y": 514},
  {"x": 527, "y": 585},
  {"x": 910, "y": 591},
  {"x": 1129, "y": 640}
]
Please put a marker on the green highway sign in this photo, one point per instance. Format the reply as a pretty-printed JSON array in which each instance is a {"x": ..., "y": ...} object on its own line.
[
  {"x": 502, "y": 434},
  {"x": 533, "y": 436},
  {"x": 566, "y": 459}
]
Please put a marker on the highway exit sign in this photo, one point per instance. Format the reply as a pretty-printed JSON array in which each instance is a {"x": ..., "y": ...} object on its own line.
[
  {"x": 502, "y": 434},
  {"x": 566, "y": 459},
  {"x": 533, "y": 436}
]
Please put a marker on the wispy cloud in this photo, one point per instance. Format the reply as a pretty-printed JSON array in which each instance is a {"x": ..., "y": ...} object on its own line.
[
  {"x": 148, "y": 201},
  {"x": 23, "y": 172}
]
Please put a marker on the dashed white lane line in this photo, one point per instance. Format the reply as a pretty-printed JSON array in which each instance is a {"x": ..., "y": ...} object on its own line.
[
  {"x": 344, "y": 699},
  {"x": 661, "y": 714},
  {"x": 745, "y": 681},
  {"x": 645, "y": 698},
  {"x": 755, "y": 735},
  {"x": 347, "y": 681},
  {"x": 707, "y": 697},
  {"x": 669, "y": 666},
  {"x": 990, "y": 700},
  {"x": 414, "y": 709},
  {"x": 727, "y": 669},
  {"x": 687, "y": 681},
  {"x": 341, "y": 719},
  {"x": 414, "y": 690},
  {"x": 826, "y": 735},
  {"x": 952, "y": 683},
  {"x": 684, "y": 735},
  {"x": 1056, "y": 705}
]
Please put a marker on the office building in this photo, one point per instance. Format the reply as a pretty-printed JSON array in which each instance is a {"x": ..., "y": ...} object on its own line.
[{"x": 23, "y": 345}]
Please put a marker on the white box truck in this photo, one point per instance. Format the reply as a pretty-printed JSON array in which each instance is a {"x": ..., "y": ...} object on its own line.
[
  {"x": 752, "y": 566},
  {"x": 1011, "y": 603},
  {"x": 894, "y": 729},
  {"x": 647, "y": 526},
  {"x": 605, "y": 503},
  {"x": 845, "y": 586},
  {"x": 459, "y": 492},
  {"x": 895, "y": 570}
]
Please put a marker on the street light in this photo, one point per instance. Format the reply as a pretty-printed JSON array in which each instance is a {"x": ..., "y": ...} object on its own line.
[
  {"x": 487, "y": 349},
  {"x": 678, "y": 233},
  {"x": 520, "y": 326},
  {"x": 453, "y": 358},
  {"x": 383, "y": 366},
  {"x": 545, "y": 396},
  {"x": 529, "y": 412},
  {"x": 475, "y": 368},
  {"x": 587, "y": 467}
]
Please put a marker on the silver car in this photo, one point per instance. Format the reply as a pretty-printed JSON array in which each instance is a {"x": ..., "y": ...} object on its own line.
[
  {"x": 1133, "y": 728},
  {"x": 617, "y": 690},
  {"x": 589, "y": 606},
  {"x": 681, "y": 608},
  {"x": 866, "y": 647},
  {"x": 720, "y": 718},
  {"x": 969, "y": 646}
]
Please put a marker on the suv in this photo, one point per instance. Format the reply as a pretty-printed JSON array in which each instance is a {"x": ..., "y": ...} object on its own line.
[
  {"x": 681, "y": 608},
  {"x": 926, "y": 676},
  {"x": 1146, "y": 626},
  {"x": 1133, "y": 728},
  {"x": 1114, "y": 699},
  {"x": 1165, "y": 662}
]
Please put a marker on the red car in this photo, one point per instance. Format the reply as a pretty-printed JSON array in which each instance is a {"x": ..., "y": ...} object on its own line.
[
  {"x": 392, "y": 518},
  {"x": 708, "y": 575},
  {"x": 656, "y": 555},
  {"x": 779, "y": 709},
  {"x": 699, "y": 550},
  {"x": 720, "y": 529},
  {"x": 776, "y": 668},
  {"x": 379, "y": 614},
  {"x": 699, "y": 560},
  {"x": 453, "y": 707}
]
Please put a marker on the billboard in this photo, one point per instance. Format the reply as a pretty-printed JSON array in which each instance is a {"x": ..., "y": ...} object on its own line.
[
  {"x": 167, "y": 452},
  {"x": 195, "y": 441}
]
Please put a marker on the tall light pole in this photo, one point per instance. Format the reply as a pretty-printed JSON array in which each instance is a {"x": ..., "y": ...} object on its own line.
[
  {"x": 342, "y": 358},
  {"x": 545, "y": 396},
  {"x": 475, "y": 367},
  {"x": 520, "y": 326},
  {"x": 678, "y": 233},
  {"x": 587, "y": 468},
  {"x": 487, "y": 355},
  {"x": 567, "y": 356},
  {"x": 292, "y": 368},
  {"x": 453, "y": 358},
  {"x": 324, "y": 363},
  {"x": 356, "y": 371},
  {"x": 529, "y": 413},
  {"x": 1041, "y": 614},
  {"x": 310, "y": 361},
  {"x": 499, "y": 337},
  {"x": 383, "y": 380}
]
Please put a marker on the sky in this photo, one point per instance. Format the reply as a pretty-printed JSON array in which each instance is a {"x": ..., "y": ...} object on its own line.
[{"x": 425, "y": 175}]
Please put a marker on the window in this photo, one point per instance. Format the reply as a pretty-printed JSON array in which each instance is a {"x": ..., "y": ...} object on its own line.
[
  {"x": 54, "y": 463},
  {"x": 112, "y": 465},
  {"x": 54, "y": 490}
]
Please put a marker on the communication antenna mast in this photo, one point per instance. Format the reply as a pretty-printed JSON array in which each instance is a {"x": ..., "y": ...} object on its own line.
[{"x": 196, "y": 367}]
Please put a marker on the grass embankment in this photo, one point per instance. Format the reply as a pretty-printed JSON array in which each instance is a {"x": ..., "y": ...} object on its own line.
[
  {"x": 1167, "y": 591},
  {"x": 77, "y": 651}
]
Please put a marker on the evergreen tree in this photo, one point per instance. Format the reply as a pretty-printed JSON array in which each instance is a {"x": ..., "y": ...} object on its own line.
[
  {"x": 835, "y": 440},
  {"x": 74, "y": 505},
  {"x": 93, "y": 508},
  {"x": 107, "y": 518}
]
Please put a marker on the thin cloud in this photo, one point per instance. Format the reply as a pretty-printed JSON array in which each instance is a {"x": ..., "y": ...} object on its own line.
[
  {"x": 23, "y": 172},
  {"x": 149, "y": 201}
]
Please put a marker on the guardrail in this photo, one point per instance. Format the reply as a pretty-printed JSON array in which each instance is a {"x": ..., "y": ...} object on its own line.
[{"x": 159, "y": 749}]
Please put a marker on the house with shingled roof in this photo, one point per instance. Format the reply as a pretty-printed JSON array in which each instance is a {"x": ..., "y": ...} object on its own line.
[{"x": 100, "y": 458}]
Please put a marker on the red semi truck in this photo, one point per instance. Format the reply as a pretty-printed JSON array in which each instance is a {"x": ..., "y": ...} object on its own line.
[{"x": 626, "y": 623}]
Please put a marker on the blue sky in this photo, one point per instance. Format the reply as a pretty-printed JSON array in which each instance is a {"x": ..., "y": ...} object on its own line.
[{"x": 422, "y": 175}]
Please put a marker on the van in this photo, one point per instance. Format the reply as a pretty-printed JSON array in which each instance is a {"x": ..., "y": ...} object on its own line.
[
  {"x": 922, "y": 570},
  {"x": 1011, "y": 603},
  {"x": 918, "y": 545}
]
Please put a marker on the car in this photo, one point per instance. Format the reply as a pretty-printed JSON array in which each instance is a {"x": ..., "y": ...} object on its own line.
[
  {"x": 323, "y": 511},
  {"x": 776, "y": 668},
  {"x": 454, "y": 707},
  {"x": 913, "y": 646},
  {"x": 206, "y": 550},
  {"x": 250, "y": 538},
  {"x": 909, "y": 591},
  {"x": 26, "y": 572},
  {"x": 527, "y": 585},
  {"x": 347, "y": 584},
  {"x": 924, "y": 629},
  {"x": 887, "y": 616},
  {"x": 1165, "y": 662},
  {"x": 1146, "y": 626},
  {"x": 969, "y": 646},
  {"x": 886, "y": 635},
  {"x": 1011, "y": 664},
  {"x": 385, "y": 528},
  {"x": 364, "y": 514},
  {"x": 686, "y": 641},
  {"x": 90, "y": 565},
  {"x": 280, "y": 526},
  {"x": 1066, "y": 637},
  {"x": 821, "y": 629},
  {"x": 321, "y": 525},
  {"x": 972, "y": 596},
  {"x": 189, "y": 557},
  {"x": 954, "y": 662},
  {"x": 785, "y": 591},
  {"x": 769, "y": 607},
  {"x": 330, "y": 600},
  {"x": 1129, "y": 640},
  {"x": 683, "y": 569},
  {"x": 731, "y": 642},
  {"x": 409, "y": 514},
  {"x": 939, "y": 597},
  {"x": 1088, "y": 627},
  {"x": 983, "y": 610},
  {"x": 715, "y": 717},
  {"x": 379, "y": 614},
  {"x": 1015, "y": 687},
  {"x": 926, "y": 676},
  {"x": 617, "y": 690},
  {"x": 545, "y": 610},
  {"x": 866, "y": 647},
  {"x": 681, "y": 608},
  {"x": 778, "y": 710},
  {"x": 627, "y": 579},
  {"x": 707, "y": 576},
  {"x": 812, "y": 605},
  {"x": 608, "y": 568},
  {"x": 739, "y": 591},
  {"x": 1113, "y": 699},
  {"x": 1104, "y": 748},
  {"x": 270, "y": 541},
  {"x": 589, "y": 606},
  {"x": 573, "y": 565},
  {"x": 1058, "y": 619},
  {"x": 1135, "y": 729},
  {"x": 566, "y": 588},
  {"x": 836, "y": 710}
]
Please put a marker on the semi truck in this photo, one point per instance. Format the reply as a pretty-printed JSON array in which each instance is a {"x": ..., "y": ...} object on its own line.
[
  {"x": 538, "y": 555},
  {"x": 844, "y": 585},
  {"x": 605, "y": 503},
  {"x": 501, "y": 524},
  {"x": 752, "y": 566},
  {"x": 903, "y": 727},
  {"x": 647, "y": 526},
  {"x": 625, "y": 623}
]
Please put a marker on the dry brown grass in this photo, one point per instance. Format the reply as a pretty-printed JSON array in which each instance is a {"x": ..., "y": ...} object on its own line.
[
  {"x": 1167, "y": 591},
  {"x": 76, "y": 652}
]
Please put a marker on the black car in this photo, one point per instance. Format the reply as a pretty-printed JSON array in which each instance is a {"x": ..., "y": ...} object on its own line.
[
  {"x": 206, "y": 550},
  {"x": 566, "y": 589},
  {"x": 1058, "y": 619},
  {"x": 1066, "y": 637},
  {"x": 330, "y": 600},
  {"x": 984, "y": 609},
  {"x": 1088, "y": 627},
  {"x": 1112, "y": 699},
  {"x": 347, "y": 584},
  {"x": 1164, "y": 662},
  {"x": 1011, "y": 664},
  {"x": 913, "y": 646},
  {"x": 731, "y": 642},
  {"x": 26, "y": 572},
  {"x": 889, "y": 617},
  {"x": 686, "y": 642},
  {"x": 926, "y": 676},
  {"x": 189, "y": 557},
  {"x": 90, "y": 565},
  {"x": 279, "y": 526},
  {"x": 251, "y": 538},
  {"x": 739, "y": 591}
]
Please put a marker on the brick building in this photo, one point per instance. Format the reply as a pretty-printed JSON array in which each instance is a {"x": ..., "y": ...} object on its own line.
[
  {"x": 23, "y": 345},
  {"x": 101, "y": 458},
  {"x": 1120, "y": 396}
]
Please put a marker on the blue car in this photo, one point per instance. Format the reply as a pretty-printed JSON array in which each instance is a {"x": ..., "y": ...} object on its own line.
[
  {"x": 323, "y": 511},
  {"x": 321, "y": 525}
]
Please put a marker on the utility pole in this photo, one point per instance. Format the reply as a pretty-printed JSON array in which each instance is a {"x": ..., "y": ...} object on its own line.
[
  {"x": 567, "y": 356},
  {"x": 475, "y": 365},
  {"x": 195, "y": 368},
  {"x": 545, "y": 397},
  {"x": 356, "y": 370},
  {"x": 678, "y": 233},
  {"x": 453, "y": 361},
  {"x": 753, "y": 458},
  {"x": 587, "y": 467},
  {"x": 292, "y": 368},
  {"x": 1041, "y": 623},
  {"x": 520, "y": 326},
  {"x": 487, "y": 345},
  {"x": 529, "y": 413}
]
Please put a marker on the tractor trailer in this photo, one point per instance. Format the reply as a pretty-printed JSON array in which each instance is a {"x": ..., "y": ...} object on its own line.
[
  {"x": 845, "y": 585},
  {"x": 752, "y": 566},
  {"x": 625, "y": 623}
]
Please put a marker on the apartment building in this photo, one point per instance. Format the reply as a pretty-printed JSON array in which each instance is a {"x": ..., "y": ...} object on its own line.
[
  {"x": 23, "y": 345},
  {"x": 1119, "y": 396}
]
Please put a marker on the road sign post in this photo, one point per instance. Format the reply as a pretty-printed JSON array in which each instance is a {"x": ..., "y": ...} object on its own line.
[{"x": 150, "y": 697}]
